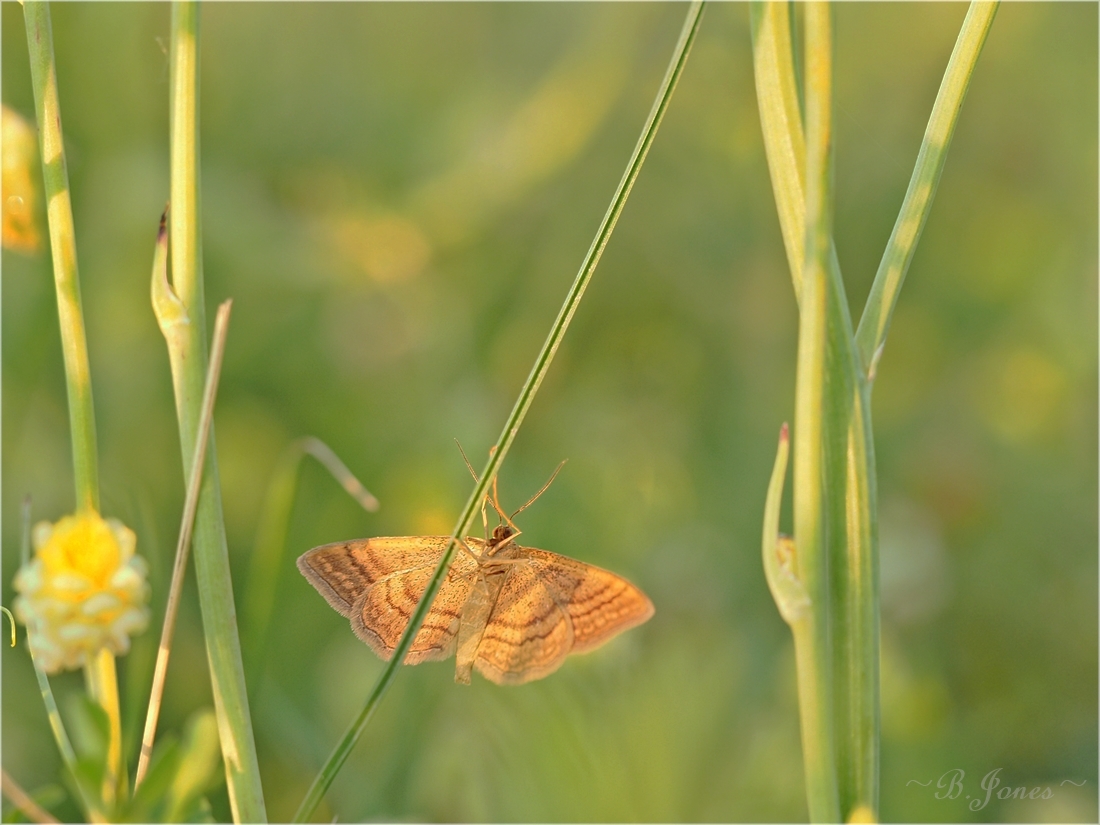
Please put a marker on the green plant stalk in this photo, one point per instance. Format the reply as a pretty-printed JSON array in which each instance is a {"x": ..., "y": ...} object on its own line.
[
  {"x": 851, "y": 533},
  {"x": 59, "y": 212},
  {"x": 875, "y": 322},
  {"x": 855, "y": 580},
  {"x": 511, "y": 428},
  {"x": 186, "y": 339},
  {"x": 812, "y": 637},
  {"x": 100, "y": 673}
]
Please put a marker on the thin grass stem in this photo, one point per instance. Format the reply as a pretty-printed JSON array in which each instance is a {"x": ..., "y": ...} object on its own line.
[
  {"x": 523, "y": 402},
  {"x": 191, "y": 501},
  {"x": 883, "y": 298},
  {"x": 270, "y": 546},
  {"x": 23, "y": 800}
]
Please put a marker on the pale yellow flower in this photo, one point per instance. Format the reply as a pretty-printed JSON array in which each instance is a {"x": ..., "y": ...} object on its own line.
[{"x": 83, "y": 590}]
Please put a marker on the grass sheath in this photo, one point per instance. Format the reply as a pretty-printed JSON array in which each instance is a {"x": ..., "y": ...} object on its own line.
[{"x": 523, "y": 402}]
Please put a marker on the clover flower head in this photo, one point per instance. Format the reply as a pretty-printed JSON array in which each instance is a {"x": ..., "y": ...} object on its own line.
[{"x": 84, "y": 590}]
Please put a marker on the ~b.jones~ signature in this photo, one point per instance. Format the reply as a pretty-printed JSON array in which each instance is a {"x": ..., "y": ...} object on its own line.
[{"x": 950, "y": 786}]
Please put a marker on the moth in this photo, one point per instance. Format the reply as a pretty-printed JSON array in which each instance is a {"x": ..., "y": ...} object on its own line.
[{"x": 512, "y": 612}]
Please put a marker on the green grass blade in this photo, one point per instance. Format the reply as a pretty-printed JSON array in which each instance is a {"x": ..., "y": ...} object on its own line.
[
  {"x": 187, "y": 353},
  {"x": 530, "y": 388},
  {"x": 781, "y": 121},
  {"x": 875, "y": 323}
]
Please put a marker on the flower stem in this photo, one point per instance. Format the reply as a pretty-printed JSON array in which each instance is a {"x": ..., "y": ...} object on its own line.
[
  {"x": 184, "y": 328},
  {"x": 100, "y": 674},
  {"x": 519, "y": 411},
  {"x": 59, "y": 212}
]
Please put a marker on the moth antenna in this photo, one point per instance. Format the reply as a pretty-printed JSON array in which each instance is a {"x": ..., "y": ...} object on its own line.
[
  {"x": 542, "y": 490},
  {"x": 493, "y": 501}
]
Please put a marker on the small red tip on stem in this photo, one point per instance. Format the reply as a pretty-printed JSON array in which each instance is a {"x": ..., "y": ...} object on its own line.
[
  {"x": 162, "y": 231},
  {"x": 784, "y": 432}
]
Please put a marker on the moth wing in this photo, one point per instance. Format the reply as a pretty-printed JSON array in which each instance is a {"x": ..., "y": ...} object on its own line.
[
  {"x": 600, "y": 604},
  {"x": 378, "y": 582},
  {"x": 528, "y": 634}
]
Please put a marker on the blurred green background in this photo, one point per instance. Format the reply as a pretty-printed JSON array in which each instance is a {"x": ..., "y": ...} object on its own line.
[{"x": 397, "y": 197}]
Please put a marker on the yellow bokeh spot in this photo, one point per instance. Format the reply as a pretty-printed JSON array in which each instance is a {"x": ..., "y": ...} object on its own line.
[
  {"x": 386, "y": 248},
  {"x": 435, "y": 521},
  {"x": 1021, "y": 393},
  {"x": 18, "y": 171}
]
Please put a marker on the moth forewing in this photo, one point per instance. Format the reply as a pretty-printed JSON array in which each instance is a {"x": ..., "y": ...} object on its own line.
[{"x": 514, "y": 613}]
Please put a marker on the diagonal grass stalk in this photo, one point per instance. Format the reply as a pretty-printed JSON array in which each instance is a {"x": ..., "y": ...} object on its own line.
[
  {"x": 23, "y": 800},
  {"x": 191, "y": 501},
  {"x": 99, "y": 673},
  {"x": 875, "y": 322},
  {"x": 270, "y": 546},
  {"x": 527, "y": 394},
  {"x": 187, "y": 354}
]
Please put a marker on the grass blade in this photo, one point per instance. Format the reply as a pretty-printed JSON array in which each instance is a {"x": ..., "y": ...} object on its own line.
[
  {"x": 875, "y": 322},
  {"x": 781, "y": 120},
  {"x": 527, "y": 393}
]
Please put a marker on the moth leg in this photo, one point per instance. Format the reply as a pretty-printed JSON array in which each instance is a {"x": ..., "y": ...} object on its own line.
[{"x": 462, "y": 545}]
